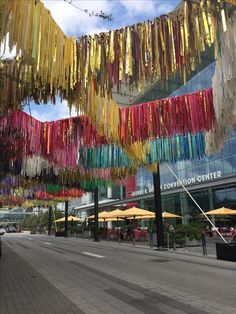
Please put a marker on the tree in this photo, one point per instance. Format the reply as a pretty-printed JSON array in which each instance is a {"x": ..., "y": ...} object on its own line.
[
  {"x": 29, "y": 222},
  {"x": 43, "y": 221},
  {"x": 32, "y": 222}
]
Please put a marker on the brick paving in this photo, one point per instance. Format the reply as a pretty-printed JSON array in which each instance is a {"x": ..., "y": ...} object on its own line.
[
  {"x": 40, "y": 274},
  {"x": 24, "y": 290}
]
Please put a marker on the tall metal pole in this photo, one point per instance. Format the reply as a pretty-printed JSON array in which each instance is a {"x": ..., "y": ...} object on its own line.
[
  {"x": 49, "y": 219},
  {"x": 66, "y": 219},
  {"x": 158, "y": 208},
  {"x": 96, "y": 214}
]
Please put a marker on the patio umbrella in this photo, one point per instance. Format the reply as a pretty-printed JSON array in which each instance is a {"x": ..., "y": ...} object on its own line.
[
  {"x": 222, "y": 211},
  {"x": 70, "y": 219},
  {"x": 109, "y": 219},
  {"x": 164, "y": 215},
  {"x": 116, "y": 213},
  {"x": 102, "y": 215},
  {"x": 114, "y": 216},
  {"x": 169, "y": 215},
  {"x": 114, "y": 219},
  {"x": 134, "y": 212}
]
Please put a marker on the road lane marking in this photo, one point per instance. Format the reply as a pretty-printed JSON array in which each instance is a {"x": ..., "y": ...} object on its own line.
[
  {"x": 49, "y": 243},
  {"x": 93, "y": 255},
  {"x": 29, "y": 238}
]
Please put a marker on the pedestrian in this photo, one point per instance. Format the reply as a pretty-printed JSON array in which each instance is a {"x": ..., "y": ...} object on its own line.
[
  {"x": 171, "y": 229},
  {"x": 234, "y": 233},
  {"x": 210, "y": 232}
]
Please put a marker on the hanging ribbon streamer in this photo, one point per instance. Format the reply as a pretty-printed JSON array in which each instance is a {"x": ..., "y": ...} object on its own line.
[
  {"x": 56, "y": 141},
  {"x": 48, "y": 56},
  {"x": 167, "y": 117},
  {"x": 224, "y": 92},
  {"x": 87, "y": 74},
  {"x": 171, "y": 130},
  {"x": 180, "y": 147}
]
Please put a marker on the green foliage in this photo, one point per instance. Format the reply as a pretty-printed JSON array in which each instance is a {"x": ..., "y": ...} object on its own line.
[
  {"x": 191, "y": 231},
  {"x": 30, "y": 222},
  {"x": 56, "y": 214}
]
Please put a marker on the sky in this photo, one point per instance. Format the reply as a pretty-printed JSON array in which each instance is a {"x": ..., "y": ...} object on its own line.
[{"x": 75, "y": 22}]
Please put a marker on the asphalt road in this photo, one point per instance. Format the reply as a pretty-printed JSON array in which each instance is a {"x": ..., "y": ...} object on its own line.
[{"x": 89, "y": 277}]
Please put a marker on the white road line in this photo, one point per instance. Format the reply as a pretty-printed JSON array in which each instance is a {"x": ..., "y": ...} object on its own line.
[
  {"x": 29, "y": 238},
  {"x": 47, "y": 243},
  {"x": 93, "y": 255}
]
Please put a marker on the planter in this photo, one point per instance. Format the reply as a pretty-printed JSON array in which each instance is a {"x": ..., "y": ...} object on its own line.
[
  {"x": 59, "y": 234},
  {"x": 193, "y": 242},
  {"x": 226, "y": 251}
]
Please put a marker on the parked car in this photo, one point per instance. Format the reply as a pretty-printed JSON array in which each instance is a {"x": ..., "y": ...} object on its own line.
[
  {"x": 11, "y": 229},
  {"x": 2, "y": 231}
]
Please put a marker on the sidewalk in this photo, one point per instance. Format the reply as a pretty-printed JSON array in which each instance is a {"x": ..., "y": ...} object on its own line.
[
  {"x": 23, "y": 290},
  {"x": 189, "y": 250},
  {"x": 178, "y": 254}
]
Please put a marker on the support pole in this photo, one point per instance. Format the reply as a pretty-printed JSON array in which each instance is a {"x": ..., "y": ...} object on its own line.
[
  {"x": 54, "y": 218},
  {"x": 158, "y": 208},
  {"x": 180, "y": 182},
  {"x": 49, "y": 219},
  {"x": 96, "y": 214},
  {"x": 66, "y": 219}
]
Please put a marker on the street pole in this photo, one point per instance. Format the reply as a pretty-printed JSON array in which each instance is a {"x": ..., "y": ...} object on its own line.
[
  {"x": 158, "y": 208},
  {"x": 66, "y": 219},
  {"x": 96, "y": 214},
  {"x": 49, "y": 219}
]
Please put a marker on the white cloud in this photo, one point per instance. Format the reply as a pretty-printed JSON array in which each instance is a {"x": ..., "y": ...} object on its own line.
[
  {"x": 138, "y": 7},
  {"x": 164, "y": 8},
  {"x": 51, "y": 112},
  {"x": 39, "y": 115},
  {"x": 5, "y": 53},
  {"x": 75, "y": 22}
]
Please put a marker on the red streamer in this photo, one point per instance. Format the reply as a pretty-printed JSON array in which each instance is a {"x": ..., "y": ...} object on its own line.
[{"x": 167, "y": 117}]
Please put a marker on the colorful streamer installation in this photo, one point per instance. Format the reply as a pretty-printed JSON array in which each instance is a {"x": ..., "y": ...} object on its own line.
[
  {"x": 184, "y": 114},
  {"x": 224, "y": 92},
  {"x": 180, "y": 147},
  {"x": 56, "y": 141},
  {"x": 86, "y": 72},
  {"x": 160, "y": 131},
  {"x": 48, "y": 56}
]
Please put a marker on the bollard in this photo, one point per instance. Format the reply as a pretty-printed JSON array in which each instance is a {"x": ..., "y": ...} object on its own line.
[
  {"x": 204, "y": 247},
  {"x": 168, "y": 241},
  {"x": 185, "y": 242},
  {"x": 174, "y": 246}
]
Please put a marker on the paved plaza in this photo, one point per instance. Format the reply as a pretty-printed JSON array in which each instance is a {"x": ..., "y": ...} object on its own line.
[{"x": 41, "y": 274}]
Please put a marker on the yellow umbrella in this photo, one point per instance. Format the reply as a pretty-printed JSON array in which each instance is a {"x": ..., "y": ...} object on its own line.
[
  {"x": 102, "y": 215},
  {"x": 164, "y": 215},
  {"x": 114, "y": 216},
  {"x": 70, "y": 219},
  {"x": 169, "y": 215},
  {"x": 114, "y": 219},
  {"x": 135, "y": 212},
  {"x": 221, "y": 211},
  {"x": 109, "y": 219},
  {"x": 115, "y": 213}
]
